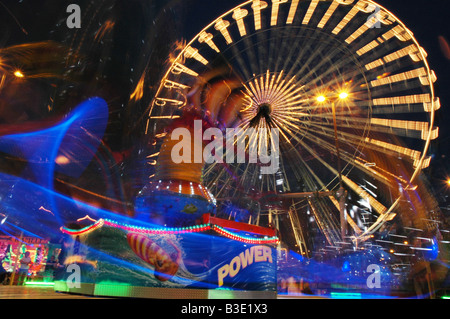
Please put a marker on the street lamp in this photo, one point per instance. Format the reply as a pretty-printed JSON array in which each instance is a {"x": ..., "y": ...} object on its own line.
[
  {"x": 343, "y": 95},
  {"x": 321, "y": 98},
  {"x": 18, "y": 74}
]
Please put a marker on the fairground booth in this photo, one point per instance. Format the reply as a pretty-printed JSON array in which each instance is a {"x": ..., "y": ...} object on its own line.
[{"x": 42, "y": 266}]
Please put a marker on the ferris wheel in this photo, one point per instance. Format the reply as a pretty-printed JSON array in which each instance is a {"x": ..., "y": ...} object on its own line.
[{"x": 345, "y": 84}]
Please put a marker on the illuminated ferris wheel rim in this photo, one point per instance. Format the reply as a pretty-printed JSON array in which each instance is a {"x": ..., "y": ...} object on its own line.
[{"x": 204, "y": 37}]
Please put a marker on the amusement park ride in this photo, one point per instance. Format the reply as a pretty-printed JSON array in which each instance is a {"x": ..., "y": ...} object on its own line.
[{"x": 349, "y": 93}]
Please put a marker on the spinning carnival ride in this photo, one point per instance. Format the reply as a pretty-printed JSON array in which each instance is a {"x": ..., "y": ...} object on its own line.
[{"x": 346, "y": 86}]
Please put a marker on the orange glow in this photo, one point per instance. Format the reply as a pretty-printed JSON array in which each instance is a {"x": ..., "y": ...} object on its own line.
[
  {"x": 87, "y": 217},
  {"x": 292, "y": 11},
  {"x": 222, "y": 25},
  {"x": 312, "y": 7},
  {"x": 205, "y": 37},
  {"x": 239, "y": 15},
  {"x": 139, "y": 90},
  {"x": 321, "y": 98},
  {"x": 343, "y": 95},
  {"x": 61, "y": 160},
  {"x": 104, "y": 29},
  {"x": 191, "y": 52},
  {"x": 19, "y": 74}
]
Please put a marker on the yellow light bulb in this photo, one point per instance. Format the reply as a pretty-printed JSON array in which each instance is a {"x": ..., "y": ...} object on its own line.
[
  {"x": 18, "y": 74},
  {"x": 343, "y": 95},
  {"x": 321, "y": 99}
]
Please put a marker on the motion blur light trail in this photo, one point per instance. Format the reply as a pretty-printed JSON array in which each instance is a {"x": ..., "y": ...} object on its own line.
[
  {"x": 66, "y": 148},
  {"x": 28, "y": 205},
  {"x": 343, "y": 274}
]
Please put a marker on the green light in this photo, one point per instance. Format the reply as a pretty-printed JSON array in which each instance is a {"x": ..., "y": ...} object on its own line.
[
  {"x": 40, "y": 283},
  {"x": 113, "y": 289},
  {"x": 445, "y": 297},
  {"x": 345, "y": 295}
]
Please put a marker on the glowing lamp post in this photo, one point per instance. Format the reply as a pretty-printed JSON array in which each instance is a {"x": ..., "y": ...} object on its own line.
[
  {"x": 18, "y": 74},
  {"x": 341, "y": 194}
]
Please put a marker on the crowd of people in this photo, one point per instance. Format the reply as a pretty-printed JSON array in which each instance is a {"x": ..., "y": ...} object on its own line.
[{"x": 19, "y": 271}]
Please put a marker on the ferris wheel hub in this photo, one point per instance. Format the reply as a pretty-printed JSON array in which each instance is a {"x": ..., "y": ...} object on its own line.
[
  {"x": 265, "y": 109},
  {"x": 263, "y": 112}
]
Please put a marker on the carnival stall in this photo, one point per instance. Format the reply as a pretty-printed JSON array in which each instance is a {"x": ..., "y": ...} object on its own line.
[{"x": 13, "y": 249}]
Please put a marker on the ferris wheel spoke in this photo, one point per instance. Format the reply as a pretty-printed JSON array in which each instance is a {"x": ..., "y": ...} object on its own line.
[
  {"x": 312, "y": 53},
  {"x": 255, "y": 68},
  {"x": 327, "y": 224},
  {"x": 354, "y": 186},
  {"x": 304, "y": 172},
  {"x": 348, "y": 157},
  {"x": 324, "y": 188},
  {"x": 315, "y": 154},
  {"x": 326, "y": 67},
  {"x": 356, "y": 140},
  {"x": 292, "y": 50},
  {"x": 381, "y": 174},
  {"x": 297, "y": 51},
  {"x": 237, "y": 63}
]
